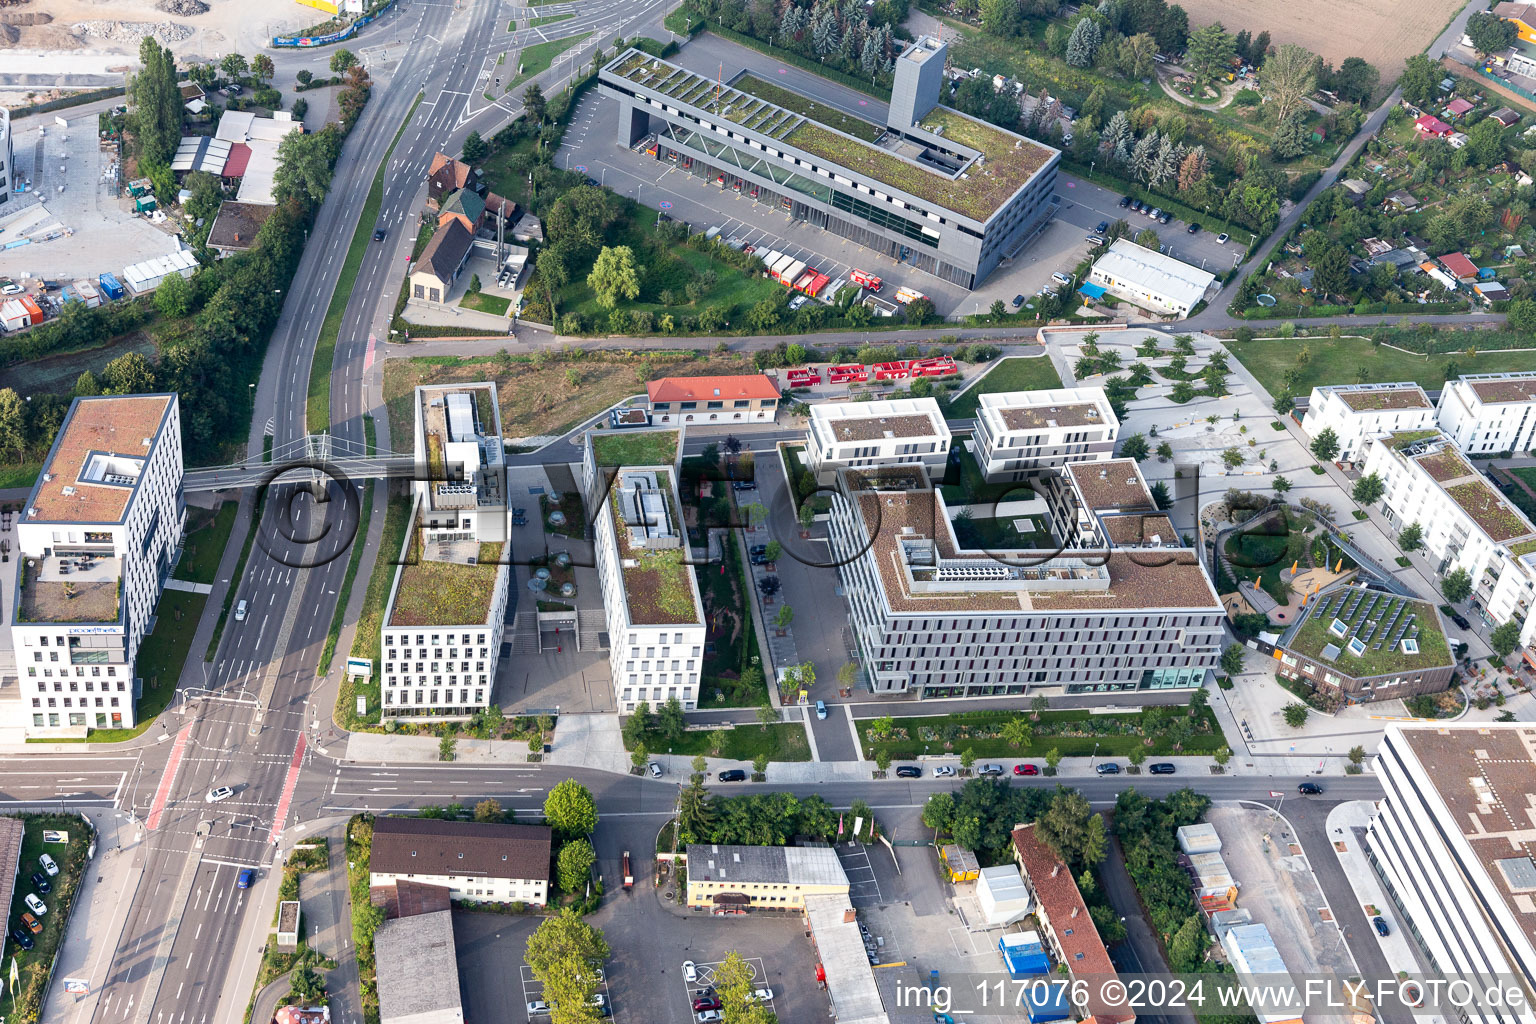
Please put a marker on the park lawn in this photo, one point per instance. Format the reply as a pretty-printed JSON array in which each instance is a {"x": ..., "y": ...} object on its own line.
[
  {"x": 35, "y": 964},
  {"x": 1016, "y": 373},
  {"x": 784, "y": 741},
  {"x": 486, "y": 303},
  {"x": 204, "y": 545},
  {"x": 536, "y": 59},
  {"x": 1345, "y": 360},
  {"x": 912, "y": 745}
]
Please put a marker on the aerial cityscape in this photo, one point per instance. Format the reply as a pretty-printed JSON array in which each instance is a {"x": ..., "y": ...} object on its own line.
[{"x": 752, "y": 511}]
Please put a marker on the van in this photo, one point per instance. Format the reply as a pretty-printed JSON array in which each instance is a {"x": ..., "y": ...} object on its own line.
[{"x": 240, "y": 611}]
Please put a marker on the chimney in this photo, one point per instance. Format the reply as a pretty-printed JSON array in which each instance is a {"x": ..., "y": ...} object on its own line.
[
  {"x": 1055, "y": 869},
  {"x": 850, "y": 916},
  {"x": 1074, "y": 911}
]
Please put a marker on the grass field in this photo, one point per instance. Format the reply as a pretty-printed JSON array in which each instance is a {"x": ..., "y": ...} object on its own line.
[
  {"x": 34, "y": 965},
  {"x": 547, "y": 19},
  {"x": 353, "y": 558},
  {"x": 1347, "y": 360},
  {"x": 162, "y": 656},
  {"x": 782, "y": 742},
  {"x": 318, "y": 407},
  {"x": 22, "y": 475},
  {"x": 204, "y": 545},
  {"x": 536, "y": 59},
  {"x": 234, "y": 580},
  {"x": 486, "y": 303},
  {"x": 365, "y": 642},
  {"x": 977, "y": 731},
  {"x": 1017, "y": 373},
  {"x": 1524, "y": 500}
]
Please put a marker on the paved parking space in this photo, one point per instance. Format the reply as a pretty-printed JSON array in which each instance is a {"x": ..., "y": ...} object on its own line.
[
  {"x": 705, "y": 981},
  {"x": 863, "y": 886},
  {"x": 533, "y": 989}
]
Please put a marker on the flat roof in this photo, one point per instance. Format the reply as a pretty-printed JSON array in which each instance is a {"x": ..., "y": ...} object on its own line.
[
  {"x": 12, "y": 831},
  {"x": 659, "y": 585},
  {"x": 1160, "y": 274},
  {"x": 873, "y": 421},
  {"x": 998, "y": 163},
  {"x": 50, "y": 592},
  {"x": 1380, "y": 622},
  {"x": 1484, "y": 776},
  {"x": 1496, "y": 389},
  {"x": 851, "y": 987},
  {"x": 438, "y": 592},
  {"x": 111, "y": 425},
  {"x": 235, "y": 225},
  {"x": 409, "y": 951},
  {"x": 1141, "y": 529},
  {"x": 1373, "y": 397},
  {"x": 1494, "y": 514},
  {"x": 1112, "y": 485},
  {"x": 795, "y": 865}
]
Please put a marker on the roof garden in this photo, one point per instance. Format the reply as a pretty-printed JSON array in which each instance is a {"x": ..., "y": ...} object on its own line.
[
  {"x": 441, "y": 593},
  {"x": 74, "y": 595},
  {"x": 855, "y": 126},
  {"x": 1444, "y": 464},
  {"x": 1489, "y": 510},
  {"x": 1406, "y": 438},
  {"x": 635, "y": 448},
  {"x": 1374, "y": 399},
  {"x": 658, "y": 582},
  {"x": 1363, "y": 634}
]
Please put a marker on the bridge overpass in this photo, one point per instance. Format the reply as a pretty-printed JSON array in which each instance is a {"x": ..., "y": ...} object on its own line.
[{"x": 316, "y": 455}]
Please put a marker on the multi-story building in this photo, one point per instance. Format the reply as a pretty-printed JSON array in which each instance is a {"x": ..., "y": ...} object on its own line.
[
  {"x": 936, "y": 619},
  {"x": 1097, "y": 504},
  {"x": 482, "y": 861},
  {"x": 1151, "y": 280},
  {"x": 1360, "y": 645},
  {"x": 1019, "y": 433},
  {"x": 931, "y": 187},
  {"x": 1489, "y": 413},
  {"x": 1359, "y": 412},
  {"x": 863, "y": 435},
  {"x": 1466, "y": 523},
  {"x": 445, "y": 616},
  {"x": 1452, "y": 841},
  {"x": 748, "y": 398},
  {"x": 97, "y": 538},
  {"x": 650, "y": 596},
  {"x": 7, "y": 156},
  {"x": 775, "y": 877}
]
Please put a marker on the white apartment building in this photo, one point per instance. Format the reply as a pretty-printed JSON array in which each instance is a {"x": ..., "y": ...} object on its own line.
[
  {"x": 1489, "y": 413},
  {"x": 863, "y": 435},
  {"x": 97, "y": 538},
  {"x": 1452, "y": 841},
  {"x": 650, "y": 596},
  {"x": 1358, "y": 412},
  {"x": 480, "y": 861},
  {"x": 447, "y": 605},
  {"x": 1019, "y": 433},
  {"x": 1090, "y": 503},
  {"x": 1467, "y": 523}
]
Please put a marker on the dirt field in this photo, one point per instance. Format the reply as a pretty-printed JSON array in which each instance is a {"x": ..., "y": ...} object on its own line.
[
  {"x": 541, "y": 400},
  {"x": 1384, "y": 33},
  {"x": 238, "y": 25}
]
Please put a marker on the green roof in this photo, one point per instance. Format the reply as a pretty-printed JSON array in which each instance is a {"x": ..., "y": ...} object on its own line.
[
  {"x": 1403, "y": 438},
  {"x": 445, "y": 593},
  {"x": 1381, "y": 617},
  {"x": 659, "y": 585},
  {"x": 635, "y": 447},
  {"x": 777, "y": 96}
]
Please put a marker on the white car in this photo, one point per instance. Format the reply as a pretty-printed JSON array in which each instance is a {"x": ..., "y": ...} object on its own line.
[
  {"x": 11, "y": 289},
  {"x": 1221, "y": 239},
  {"x": 709, "y": 1017},
  {"x": 1061, "y": 278},
  {"x": 690, "y": 973},
  {"x": 240, "y": 612},
  {"x": 944, "y": 771},
  {"x": 537, "y": 1007},
  {"x": 36, "y": 905},
  {"x": 762, "y": 995},
  {"x": 48, "y": 864},
  {"x": 655, "y": 769},
  {"x": 218, "y": 793}
]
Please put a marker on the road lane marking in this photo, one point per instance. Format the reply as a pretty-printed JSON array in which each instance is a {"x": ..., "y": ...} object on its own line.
[{"x": 163, "y": 791}]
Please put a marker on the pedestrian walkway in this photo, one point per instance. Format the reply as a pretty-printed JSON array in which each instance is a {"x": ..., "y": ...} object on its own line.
[
  {"x": 589, "y": 741},
  {"x": 395, "y": 748},
  {"x": 188, "y": 586}
]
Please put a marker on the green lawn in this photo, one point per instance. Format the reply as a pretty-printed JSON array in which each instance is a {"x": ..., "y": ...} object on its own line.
[
  {"x": 1073, "y": 733},
  {"x": 855, "y": 126},
  {"x": 638, "y": 448},
  {"x": 365, "y": 642},
  {"x": 547, "y": 19},
  {"x": 353, "y": 558},
  {"x": 234, "y": 580},
  {"x": 1017, "y": 373},
  {"x": 204, "y": 547},
  {"x": 782, "y": 742},
  {"x": 26, "y": 1003},
  {"x": 161, "y": 658},
  {"x": 536, "y": 59},
  {"x": 486, "y": 303},
  {"x": 1260, "y": 556},
  {"x": 318, "y": 407},
  {"x": 23, "y": 475},
  {"x": 1349, "y": 360}
]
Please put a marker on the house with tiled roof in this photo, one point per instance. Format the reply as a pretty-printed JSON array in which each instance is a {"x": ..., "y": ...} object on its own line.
[
  {"x": 1430, "y": 126},
  {"x": 1506, "y": 117},
  {"x": 1458, "y": 108},
  {"x": 464, "y": 207},
  {"x": 1458, "y": 266},
  {"x": 752, "y": 398},
  {"x": 441, "y": 262},
  {"x": 1522, "y": 15},
  {"x": 446, "y": 175}
]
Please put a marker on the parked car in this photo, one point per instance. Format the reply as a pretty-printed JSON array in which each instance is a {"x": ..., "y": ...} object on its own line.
[
  {"x": 1163, "y": 768},
  {"x": 762, "y": 995},
  {"x": 709, "y": 1017},
  {"x": 1382, "y": 928},
  {"x": 990, "y": 769},
  {"x": 35, "y": 905},
  {"x": 1103, "y": 227},
  {"x": 48, "y": 864},
  {"x": 798, "y": 301},
  {"x": 707, "y": 1003},
  {"x": 1107, "y": 768},
  {"x": 1125, "y": 201},
  {"x": 1095, "y": 239},
  {"x": 1025, "y": 769},
  {"x": 536, "y": 1007},
  {"x": 33, "y": 924},
  {"x": 218, "y": 793},
  {"x": 909, "y": 771},
  {"x": 11, "y": 288},
  {"x": 1460, "y": 620},
  {"x": 594, "y": 182},
  {"x": 1018, "y": 300},
  {"x": 1163, "y": 217},
  {"x": 1061, "y": 278},
  {"x": 758, "y": 555},
  {"x": 655, "y": 770},
  {"x": 1310, "y": 789},
  {"x": 821, "y": 710},
  {"x": 40, "y": 883},
  {"x": 21, "y": 938},
  {"x": 245, "y": 878},
  {"x": 1221, "y": 239},
  {"x": 690, "y": 973},
  {"x": 1193, "y": 229},
  {"x": 743, "y": 485},
  {"x": 733, "y": 775},
  {"x": 944, "y": 771},
  {"x": 1154, "y": 213}
]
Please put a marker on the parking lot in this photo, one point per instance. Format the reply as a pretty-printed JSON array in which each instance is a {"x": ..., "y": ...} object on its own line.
[
  {"x": 863, "y": 886},
  {"x": 701, "y": 991}
]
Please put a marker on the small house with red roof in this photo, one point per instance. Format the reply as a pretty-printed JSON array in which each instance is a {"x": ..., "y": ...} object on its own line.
[
  {"x": 1458, "y": 108},
  {"x": 1430, "y": 126},
  {"x": 751, "y": 397},
  {"x": 1459, "y": 267}
]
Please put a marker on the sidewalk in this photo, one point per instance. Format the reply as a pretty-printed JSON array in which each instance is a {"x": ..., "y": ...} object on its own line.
[
  {"x": 101, "y": 910},
  {"x": 1347, "y": 823},
  {"x": 372, "y": 746}
]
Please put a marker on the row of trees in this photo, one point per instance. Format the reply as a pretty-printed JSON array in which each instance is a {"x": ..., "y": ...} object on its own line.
[{"x": 843, "y": 35}]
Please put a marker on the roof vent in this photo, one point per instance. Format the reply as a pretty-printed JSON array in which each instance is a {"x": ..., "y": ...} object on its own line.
[
  {"x": 147, "y": 442},
  {"x": 68, "y": 491}
]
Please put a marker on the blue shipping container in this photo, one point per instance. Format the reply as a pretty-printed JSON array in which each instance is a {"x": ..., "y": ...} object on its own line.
[
  {"x": 1047, "y": 1000},
  {"x": 111, "y": 286}
]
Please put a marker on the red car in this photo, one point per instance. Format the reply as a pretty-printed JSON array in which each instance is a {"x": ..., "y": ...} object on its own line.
[
  {"x": 1025, "y": 769},
  {"x": 706, "y": 1003}
]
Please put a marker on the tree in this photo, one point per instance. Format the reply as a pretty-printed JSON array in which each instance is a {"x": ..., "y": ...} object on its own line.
[
  {"x": 1232, "y": 457},
  {"x": 1173, "y": 29},
  {"x": 1505, "y": 638},
  {"x": 1001, "y": 18},
  {"x": 562, "y": 955},
  {"x": 87, "y": 385},
  {"x": 1192, "y": 169},
  {"x": 639, "y": 756},
  {"x": 157, "y": 104},
  {"x": 1490, "y": 33},
  {"x": 1369, "y": 489},
  {"x": 1052, "y": 758},
  {"x": 1084, "y": 43},
  {"x": 234, "y": 65},
  {"x": 1330, "y": 270},
  {"x": 574, "y": 865},
  {"x": 488, "y": 810},
  {"x": 1160, "y": 495},
  {"x": 1136, "y": 56},
  {"x": 1280, "y": 484},
  {"x": 670, "y": 721},
  {"x": 303, "y": 168},
  {"x": 1292, "y": 136},
  {"x": 570, "y": 810},
  {"x": 785, "y": 616},
  {"x": 1068, "y": 828},
  {"x": 1134, "y": 447},
  {"x": 1356, "y": 755},
  {"x": 447, "y": 747},
  {"x": 1137, "y": 755},
  {"x": 1296, "y": 714},
  {"x": 1485, "y": 141},
  {"x": 615, "y": 275},
  {"x": 734, "y": 981},
  {"x": 1210, "y": 52},
  {"x": 1039, "y": 704},
  {"x": 262, "y": 68},
  {"x": 920, "y": 311},
  {"x": 1355, "y": 80},
  {"x": 1288, "y": 78},
  {"x": 967, "y": 758},
  {"x": 1232, "y": 659},
  {"x": 1018, "y": 732},
  {"x": 1420, "y": 81},
  {"x": 341, "y": 60},
  {"x": 475, "y": 148},
  {"x": 1147, "y": 238},
  {"x": 534, "y": 103},
  {"x": 1222, "y": 755},
  {"x": 1165, "y": 451},
  {"x": 1412, "y": 537},
  {"x": 939, "y": 812},
  {"x": 882, "y": 758},
  {"x": 1325, "y": 446},
  {"x": 13, "y": 425}
]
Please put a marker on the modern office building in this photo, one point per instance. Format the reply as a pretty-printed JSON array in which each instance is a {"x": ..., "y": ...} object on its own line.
[
  {"x": 747, "y": 398},
  {"x": 1452, "y": 842},
  {"x": 1358, "y": 412},
  {"x": 1466, "y": 523},
  {"x": 650, "y": 596},
  {"x": 863, "y": 435},
  {"x": 948, "y": 193},
  {"x": 940, "y": 620},
  {"x": 1149, "y": 279},
  {"x": 482, "y": 861},
  {"x": 1019, "y": 433},
  {"x": 1489, "y": 413},
  {"x": 97, "y": 538},
  {"x": 1099, "y": 504},
  {"x": 445, "y": 616},
  {"x": 1360, "y": 645},
  {"x": 772, "y": 877}
]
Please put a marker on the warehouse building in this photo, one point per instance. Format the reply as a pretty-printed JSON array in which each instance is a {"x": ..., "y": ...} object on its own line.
[
  {"x": 1251, "y": 951},
  {"x": 947, "y": 193},
  {"x": 771, "y": 877},
  {"x": 1150, "y": 280},
  {"x": 418, "y": 970},
  {"x": 853, "y": 996}
]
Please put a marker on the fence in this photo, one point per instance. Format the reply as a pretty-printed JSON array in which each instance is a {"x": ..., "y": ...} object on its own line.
[{"x": 332, "y": 37}]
